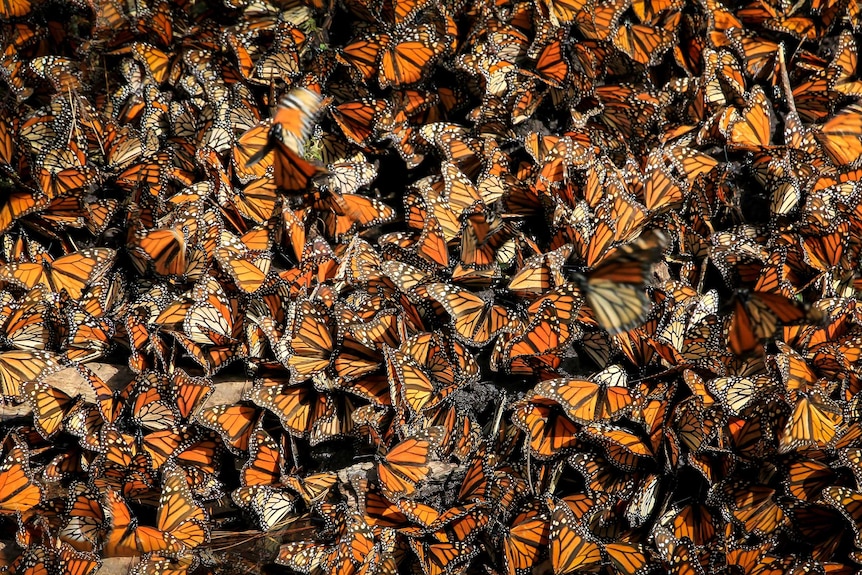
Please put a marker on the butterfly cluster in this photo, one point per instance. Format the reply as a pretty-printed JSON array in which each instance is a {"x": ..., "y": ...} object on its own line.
[{"x": 523, "y": 286}]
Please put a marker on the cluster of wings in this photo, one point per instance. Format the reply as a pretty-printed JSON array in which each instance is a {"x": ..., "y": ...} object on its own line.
[{"x": 517, "y": 286}]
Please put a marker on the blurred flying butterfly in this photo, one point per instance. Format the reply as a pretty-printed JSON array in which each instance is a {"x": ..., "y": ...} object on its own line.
[{"x": 614, "y": 278}]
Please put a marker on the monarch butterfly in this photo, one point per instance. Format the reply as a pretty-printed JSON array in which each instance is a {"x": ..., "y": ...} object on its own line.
[
  {"x": 692, "y": 163},
  {"x": 475, "y": 319},
  {"x": 693, "y": 521},
  {"x": 26, "y": 326},
  {"x": 397, "y": 129},
  {"x": 14, "y": 9},
  {"x": 202, "y": 454},
  {"x": 455, "y": 143},
  {"x": 361, "y": 264},
  {"x": 308, "y": 347},
  {"x": 825, "y": 252},
  {"x": 415, "y": 512},
  {"x": 409, "y": 381},
  {"x": 17, "y": 367},
  {"x": 152, "y": 406},
  {"x": 45, "y": 559},
  {"x": 550, "y": 431},
  {"x": 110, "y": 402},
  {"x": 541, "y": 273},
  {"x": 752, "y": 559},
  {"x": 643, "y": 43},
  {"x": 249, "y": 145},
  {"x": 570, "y": 546},
  {"x": 796, "y": 374},
  {"x": 18, "y": 490},
  {"x": 307, "y": 556},
  {"x": 752, "y": 507},
  {"x": 601, "y": 477},
  {"x": 161, "y": 445},
  {"x": 189, "y": 392},
  {"x": 440, "y": 558},
  {"x": 359, "y": 119},
  {"x": 752, "y": 128},
  {"x": 261, "y": 489},
  {"x": 851, "y": 457},
  {"x": 123, "y": 147},
  {"x": 359, "y": 543},
  {"x": 155, "y": 62},
  {"x": 563, "y": 12},
  {"x": 180, "y": 523},
  {"x": 281, "y": 62},
  {"x": 18, "y": 205},
  {"x": 344, "y": 214},
  {"x": 404, "y": 60},
  {"x": 404, "y": 466},
  {"x": 679, "y": 555},
  {"x": 85, "y": 422},
  {"x": 271, "y": 506},
  {"x": 234, "y": 423},
  {"x": 459, "y": 523},
  {"x": 805, "y": 479},
  {"x": 294, "y": 405},
  {"x": 157, "y": 564},
  {"x": 613, "y": 284},
  {"x": 840, "y": 136},
  {"x": 622, "y": 447},
  {"x": 784, "y": 21},
  {"x": 63, "y": 466},
  {"x": 247, "y": 259},
  {"x": 258, "y": 201},
  {"x": 292, "y": 123},
  {"x": 348, "y": 175},
  {"x": 816, "y": 524},
  {"x": 380, "y": 512},
  {"x": 429, "y": 247},
  {"x": 211, "y": 330},
  {"x": 847, "y": 502},
  {"x": 312, "y": 488},
  {"x": 374, "y": 333},
  {"x": 551, "y": 64},
  {"x": 526, "y": 539},
  {"x": 605, "y": 398},
  {"x": 756, "y": 316},
  {"x": 83, "y": 528},
  {"x": 264, "y": 462},
  {"x": 815, "y": 422},
  {"x": 89, "y": 337},
  {"x": 760, "y": 54},
  {"x": 627, "y": 558},
  {"x": 626, "y": 109},
  {"x": 736, "y": 393},
  {"x": 64, "y": 171},
  {"x": 401, "y": 12},
  {"x": 49, "y": 404},
  {"x": 483, "y": 234},
  {"x": 124, "y": 466},
  {"x": 843, "y": 65},
  {"x": 73, "y": 272}
]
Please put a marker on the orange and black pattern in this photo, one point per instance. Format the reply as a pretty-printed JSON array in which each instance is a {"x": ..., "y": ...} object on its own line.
[{"x": 515, "y": 286}]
